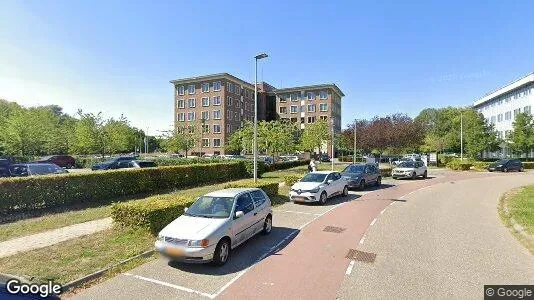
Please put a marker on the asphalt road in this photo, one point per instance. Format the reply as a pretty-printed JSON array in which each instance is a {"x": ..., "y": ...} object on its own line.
[{"x": 418, "y": 229}]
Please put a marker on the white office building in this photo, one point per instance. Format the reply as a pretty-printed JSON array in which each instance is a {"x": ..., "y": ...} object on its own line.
[{"x": 502, "y": 105}]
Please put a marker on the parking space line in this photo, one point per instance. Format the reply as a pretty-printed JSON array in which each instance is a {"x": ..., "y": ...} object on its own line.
[
  {"x": 296, "y": 212},
  {"x": 362, "y": 240},
  {"x": 174, "y": 286},
  {"x": 349, "y": 268},
  {"x": 374, "y": 221}
]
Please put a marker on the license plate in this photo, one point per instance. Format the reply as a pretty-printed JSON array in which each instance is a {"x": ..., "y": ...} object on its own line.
[
  {"x": 299, "y": 199},
  {"x": 174, "y": 251}
]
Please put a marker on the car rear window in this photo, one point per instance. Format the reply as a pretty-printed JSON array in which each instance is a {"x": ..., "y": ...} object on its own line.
[
  {"x": 258, "y": 197},
  {"x": 43, "y": 169}
]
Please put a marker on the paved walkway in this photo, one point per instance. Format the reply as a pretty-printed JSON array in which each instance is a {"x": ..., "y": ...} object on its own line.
[{"x": 51, "y": 237}]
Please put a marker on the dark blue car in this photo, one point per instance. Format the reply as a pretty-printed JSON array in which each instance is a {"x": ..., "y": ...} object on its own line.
[{"x": 112, "y": 163}]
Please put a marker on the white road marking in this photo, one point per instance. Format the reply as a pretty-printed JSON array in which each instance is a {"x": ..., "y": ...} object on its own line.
[
  {"x": 349, "y": 268},
  {"x": 296, "y": 212},
  {"x": 420, "y": 189},
  {"x": 374, "y": 221},
  {"x": 362, "y": 240},
  {"x": 382, "y": 212},
  {"x": 174, "y": 286}
]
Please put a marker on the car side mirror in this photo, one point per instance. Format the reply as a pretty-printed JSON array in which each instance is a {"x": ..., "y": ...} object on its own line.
[
  {"x": 239, "y": 214},
  {"x": 330, "y": 181}
]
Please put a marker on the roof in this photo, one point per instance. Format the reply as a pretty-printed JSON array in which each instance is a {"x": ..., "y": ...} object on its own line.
[
  {"x": 505, "y": 89},
  {"x": 211, "y": 76},
  {"x": 324, "y": 172},
  {"x": 230, "y": 192},
  {"x": 312, "y": 87}
]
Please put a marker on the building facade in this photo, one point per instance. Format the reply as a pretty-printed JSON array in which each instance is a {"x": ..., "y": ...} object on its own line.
[
  {"x": 502, "y": 105},
  {"x": 218, "y": 104}
]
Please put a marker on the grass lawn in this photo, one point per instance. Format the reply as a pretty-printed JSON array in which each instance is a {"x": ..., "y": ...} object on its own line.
[
  {"x": 76, "y": 258},
  {"x": 521, "y": 208}
]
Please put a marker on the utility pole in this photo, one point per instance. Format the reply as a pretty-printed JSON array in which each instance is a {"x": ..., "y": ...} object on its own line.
[
  {"x": 332, "y": 143},
  {"x": 255, "y": 142},
  {"x": 354, "y": 153},
  {"x": 461, "y": 136}
]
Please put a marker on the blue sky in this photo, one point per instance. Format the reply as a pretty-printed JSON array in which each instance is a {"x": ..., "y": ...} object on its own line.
[{"x": 387, "y": 56}]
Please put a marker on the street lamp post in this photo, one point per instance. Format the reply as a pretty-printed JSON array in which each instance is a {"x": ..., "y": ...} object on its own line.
[
  {"x": 332, "y": 143},
  {"x": 461, "y": 136},
  {"x": 255, "y": 145},
  {"x": 203, "y": 121},
  {"x": 354, "y": 153}
]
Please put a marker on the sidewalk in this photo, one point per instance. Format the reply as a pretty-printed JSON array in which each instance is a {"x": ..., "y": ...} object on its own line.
[{"x": 51, "y": 237}]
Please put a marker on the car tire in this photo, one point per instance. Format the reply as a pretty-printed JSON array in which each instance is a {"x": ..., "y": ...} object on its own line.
[
  {"x": 222, "y": 252},
  {"x": 361, "y": 186},
  {"x": 267, "y": 225},
  {"x": 521, "y": 169},
  {"x": 378, "y": 181},
  {"x": 505, "y": 170},
  {"x": 345, "y": 191},
  {"x": 425, "y": 175},
  {"x": 323, "y": 198},
  {"x": 414, "y": 175}
]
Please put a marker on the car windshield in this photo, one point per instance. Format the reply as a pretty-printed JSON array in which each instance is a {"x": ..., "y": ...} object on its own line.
[
  {"x": 354, "y": 169},
  {"x": 407, "y": 164},
  {"x": 501, "y": 162},
  {"x": 314, "y": 177},
  {"x": 211, "y": 207},
  {"x": 44, "y": 169}
]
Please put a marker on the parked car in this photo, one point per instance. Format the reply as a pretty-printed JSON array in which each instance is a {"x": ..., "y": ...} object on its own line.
[
  {"x": 268, "y": 160},
  {"x": 324, "y": 158},
  {"x": 413, "y": 156},
  {"x": 506, "y": 165},
  {"x": 362, "y": 175},
  {"x": 4, "y": 168},
  {"x": 112, "y": 163},
  {"x": 34, "y": 169},
  {"x": 410, "y": 169},
  {"x": 216, "y": 223},
  {"x": 318, "y": 187},
  {"x": 64, "y": 161},
  {"x": 136, "y": 164}
]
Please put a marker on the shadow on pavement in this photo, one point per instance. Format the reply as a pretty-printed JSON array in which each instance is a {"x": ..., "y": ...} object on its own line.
[{"x": 247, "y": 254}]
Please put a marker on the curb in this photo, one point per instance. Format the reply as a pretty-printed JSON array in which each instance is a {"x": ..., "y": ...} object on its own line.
[
  {"x": 81, "y": 281},
  {"x": 516, "y": 226}
]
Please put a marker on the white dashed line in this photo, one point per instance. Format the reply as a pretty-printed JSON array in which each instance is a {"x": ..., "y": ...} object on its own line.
[
  {"x": 374, "y": 221},
  {"x": 382, "y": 212},
  {"x": 349, "y": 268},
  {"x": 174, "y": 286},
  {"x": 297, "y": 212},
  {"x": 362, "y": 240}
]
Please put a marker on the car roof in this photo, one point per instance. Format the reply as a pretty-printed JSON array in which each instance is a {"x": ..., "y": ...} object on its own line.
[
  {"x": 325, "y": 172},
  {"x": 232, "y": 192}
]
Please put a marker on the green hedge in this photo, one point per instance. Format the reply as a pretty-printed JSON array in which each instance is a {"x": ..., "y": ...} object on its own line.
[
  {"x": 290, "y": 180},
  {"x": 528, "y": 165},
  {"x": 458, "y": 164},
  {"x": 152, "y": 213},
  {"x": 269, "y": 187},
  {"x": 288, "y": 165},
  {"x": 18, "y": 194},
  {"x": 385, "y": 171}
]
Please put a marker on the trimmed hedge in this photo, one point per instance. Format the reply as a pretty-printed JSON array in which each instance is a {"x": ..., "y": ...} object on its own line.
[
  {"x": 528, "y": 165},
  {"x": 269, "y": 187},
  {"x": 288, "y": 164},
  {"x": 25, "y": 193},
  {"x": 290, "y": 180},
  {"x": 385, "y": 171},
  {"x": 457, "y": 164}
]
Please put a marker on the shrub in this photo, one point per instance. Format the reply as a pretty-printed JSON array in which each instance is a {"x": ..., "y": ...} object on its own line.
[
  {"x": 480, "y": 165},
  {"x": 288, "y": 164},
  {"x": 18, "y": 194},
  {"x": 457, "y": 164},
  {"x": 290, "y": 180},
  {"x": 152, "y": 213},
  {"x": 249, "y": 168},
  {"x": 269, "y": 187},
  {"x": 528, "y": 165},
  {"x": 385, "y": 171},
  {"x": 444, "y": 159},
  {"x": 88, "y": 162}
]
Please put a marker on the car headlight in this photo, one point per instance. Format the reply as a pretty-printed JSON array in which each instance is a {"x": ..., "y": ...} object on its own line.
[
  {"x": 198, "y": 243},
  {"x": 499, "y": 166}
]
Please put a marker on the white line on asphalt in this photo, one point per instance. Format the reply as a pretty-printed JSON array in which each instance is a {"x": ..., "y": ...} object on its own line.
[
  {"x": 177, "y": 287},
  {"x": 296, "y": 212},
  {"x": 382, "y": 212},
  {"x": 374, "y": 221},
  {"x": 420, "y": 189},
  {"x": 362, "y": 239},
  {"x": 349, "y": 268}
]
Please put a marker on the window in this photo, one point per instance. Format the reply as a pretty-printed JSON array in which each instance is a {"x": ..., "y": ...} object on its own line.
[
  {"x": 181, "y": 117},
  {"x": 294, "y": 109},
  {"x": 205, "y": 142},
  {"x": 216, "y": 128},
  {"x": 205, "y": 128},
  {"x": 294, "y": 97},
  {"x": 244, "y": 203},
  {"x": 323, "y": 107},
  {"x": 191, "y": 129},
  {"x": 181, "y": 103},
  {"x": 508, "y": 115},
  {"x": 516, "y": 112},
  {"x": 238, "y": 90},
  {"x": 310, "y": 95},
  {"x": 181, "y": 90},
  {"x": 323, "y": 95},
  {"x": 283, "y": 98},
  {"x": 283, "y": 110},
  {"x": 311, "y": 107},
  {"x": 499, "y": 118},
  {"x": 228, "y": 128},
  {"x": 192, "y": 102},
  {"x": 205, "y": 87},
  {"x": 205, "y": 115},
  {"x": 492, "y": 120},
  {"x": 217, "y": 86},
  {"x": 526, "y": 109},
  {"x": 229, "y": 114},
  {"x": 216, "y": 142},
  {"x": 499, "y": 102},
  {"x": 258, "y": 197},
  {"x": 216, "y": 114},
  {"x": 236, "y": 116},
  {"x": 180, "y": 129},
  {"x": 191, "y": 89},
  {"x": 229, "y": 101},
  {"x": 311, "y": 119},
  {"x": 230, "y": 87},
  {"x": 191, "y": 116},
  {"x": 217, "y": 100},
  {"x": 507, "y": 99},
  {"x": 293, "y": 120},
  {"x": 205, "y": 101}
]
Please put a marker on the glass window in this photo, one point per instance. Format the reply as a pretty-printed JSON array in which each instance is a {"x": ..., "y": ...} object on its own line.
[
  {"x": 191, "y": 116},
  {"x": 526, "y": 109},
  {"x": 311, "y": 107},
  {"x": 205, "y": 87},
  {"x": 216, "y": 142},
  {"x": 217, "y": 86},
  {"x": 181, "y": 103},
  {"x": 311, "y": 120},
  {"x": 191, "y": 89},
  {"x": 229, "y": 101},
  {"x": 216, "y": 128},
  {"x": 283, "y": 110},
  {"x": 217, "y": 100},
  {"x": 205, "y": 128},
  {"x": 216, "y": 114},
  {"x": 181, "y": 90},
  {"x": 283, "y": 98},
  {"x": 205, "y": 142},
  {"x": 323, "y": 118},
  {"x": 294, "y": 97},
  {"x": 323, "y": 95},
  {"x": 310, "y": 95},
  {"x": 294, "y": 109},
  {"x": 192, "y": 102},
  {"x": 229, "y": 114},
  {"x": 205, "y": 115},
  {"x": 213, "y": 207},
  {"x": 181, "y": 117},
  {"x": 205, "y": 101},
  {"x": 258, "y": 197},
  {"x": 244, "y": 203},
  {"x": 323, "y": 107},
  {"x": 238, "y": 90}
]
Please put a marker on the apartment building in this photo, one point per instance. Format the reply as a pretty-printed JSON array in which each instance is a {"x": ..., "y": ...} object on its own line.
[
  {"x": 500, "y": 107},
  {"x": 219, "y": 104}
]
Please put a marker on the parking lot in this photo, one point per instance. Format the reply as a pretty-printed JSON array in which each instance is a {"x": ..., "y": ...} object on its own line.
[{"x": 160, "y": 278}]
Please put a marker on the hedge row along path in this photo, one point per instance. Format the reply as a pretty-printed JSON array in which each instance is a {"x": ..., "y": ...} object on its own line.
[{"x": 51, "y": 237}]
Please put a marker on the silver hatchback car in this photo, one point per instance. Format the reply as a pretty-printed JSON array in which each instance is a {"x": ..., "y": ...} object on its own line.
[{"x": 215, "y": 224}]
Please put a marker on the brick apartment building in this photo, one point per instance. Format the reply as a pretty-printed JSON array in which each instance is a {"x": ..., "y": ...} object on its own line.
[{"x": 219, "y": 103}]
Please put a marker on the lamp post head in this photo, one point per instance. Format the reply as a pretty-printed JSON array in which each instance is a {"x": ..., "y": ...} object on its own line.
[{"x": 260, "y": 56}]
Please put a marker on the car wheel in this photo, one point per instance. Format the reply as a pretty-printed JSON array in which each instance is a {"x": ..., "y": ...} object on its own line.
[
  {"x": 322, "y": 198},
  {"x": 505, "y": 170},
  {"x": 425, "y": 175},
  {"x": 222, "y": 252},
  {"x": 378, "y": 181},
  {"x": 361, "y": 187},
  {"x": 521, "y": 169},
  {"x": 268, "y": 225},
  {"x": 414, "y": 175},
  {"x": 345, "y": 191}
]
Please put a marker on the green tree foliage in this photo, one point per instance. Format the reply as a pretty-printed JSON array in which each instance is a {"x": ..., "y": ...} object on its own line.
[
  {"x": 242, "y": 140},
  {"x": 176, "y": 141},
  {"x": 521, "y": 139},
  {"x": 314, "y": 135}
]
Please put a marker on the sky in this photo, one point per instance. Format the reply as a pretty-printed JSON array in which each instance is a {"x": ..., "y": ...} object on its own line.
[{"x": 117, "y": 57}]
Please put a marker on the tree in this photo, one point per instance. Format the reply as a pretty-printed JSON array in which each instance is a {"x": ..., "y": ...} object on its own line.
[
  {"x": 521, "y": 139},
  {"x": 314, "y": 135},
  {"x": 242, "y": 140},
  {"x": 89, "y": 135},
  {"x": 121, "y": 137},
  {"x": 178, "y": 140},
  {"x": 276, "y": 137}
]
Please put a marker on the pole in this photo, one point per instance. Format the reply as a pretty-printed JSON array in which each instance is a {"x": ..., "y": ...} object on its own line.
[
  {"x": 354, "y": 154},
  {"x": 332, "y": 144},
  {"x": 256, "y": 122},
  {"x": 461, "y": 136},
  {"x": 201, "y": 137}
]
